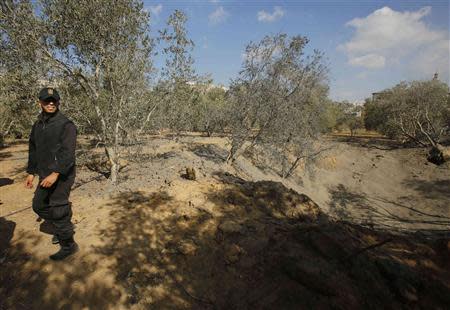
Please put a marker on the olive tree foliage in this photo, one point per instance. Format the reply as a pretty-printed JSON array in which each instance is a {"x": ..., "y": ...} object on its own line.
[
  {"x": 276, "y": 100},
  {"x": 417, "y": 112},
  {"x": 374, "y": 116},
  {"x": 18, "y": 84},
  {"x": 348, "y": 117},
  {"x": 102, "y": 50},
  {"x": 330, "y": 116},
  {"x": 18, "y": 106},
  {"x": 210, "y": 114},
  {"x": 8, "y": 118},
  {"x": 303, "y": 129},
  {"x": 176, "y": 89}
]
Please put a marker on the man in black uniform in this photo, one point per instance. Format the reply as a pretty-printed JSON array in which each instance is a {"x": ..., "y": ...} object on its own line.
[{"x": 52, "y": 157}]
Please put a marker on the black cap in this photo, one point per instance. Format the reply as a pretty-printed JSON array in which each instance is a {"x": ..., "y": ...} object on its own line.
[{"x": 48, "y": 93}]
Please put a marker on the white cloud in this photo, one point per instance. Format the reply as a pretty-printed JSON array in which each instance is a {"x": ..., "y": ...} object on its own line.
[
  {"x": 388, "y": 29},
  {"x": 433, "y": 59},
  {"x": 214, "y": 1},
  {"x": 392, "y": 37},
  {"x": 370, "y": 61},
  {"x": 266, "y": 17},
  {"x": 156, "y": 9},
  {"x": 218, "y": 16}
]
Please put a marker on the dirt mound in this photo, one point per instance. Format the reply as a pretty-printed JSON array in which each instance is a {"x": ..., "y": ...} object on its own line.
[
  {"x": 261, "y": 245},
  {"x": 273, "y": 248}
]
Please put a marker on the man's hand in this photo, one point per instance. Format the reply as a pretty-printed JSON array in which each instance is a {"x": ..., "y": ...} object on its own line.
[
  {"x": 50, "y": 180},
  {"x": 29, "y": 181}
]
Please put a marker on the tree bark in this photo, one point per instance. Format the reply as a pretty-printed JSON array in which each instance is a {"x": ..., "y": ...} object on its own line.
[
  {"x": 114, "y": 163},
  {"x": 4, "y": 133}
]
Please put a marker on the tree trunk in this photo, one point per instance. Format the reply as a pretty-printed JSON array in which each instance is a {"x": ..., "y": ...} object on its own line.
[
  {"x": 233, "y": 151},
  {"x": 114, "y": 172},
  {"x": 114, "y": 164},
  {"x": 4, "y": 133},
  {"x": 230, "y": 156}
]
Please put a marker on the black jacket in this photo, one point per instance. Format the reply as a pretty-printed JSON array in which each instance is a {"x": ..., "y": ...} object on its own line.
[{"x": 52, "y": 145}]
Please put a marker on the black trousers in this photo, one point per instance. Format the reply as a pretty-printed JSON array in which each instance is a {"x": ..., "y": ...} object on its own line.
[{"x": 52, "y": 204}]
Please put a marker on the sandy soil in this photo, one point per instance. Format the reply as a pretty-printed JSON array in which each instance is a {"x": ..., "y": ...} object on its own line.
[{"x": 238, "y": 236}]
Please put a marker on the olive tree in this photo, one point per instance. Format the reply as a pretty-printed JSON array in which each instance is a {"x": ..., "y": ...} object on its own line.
[
  {"x": 417, "y": 112},
  {"x": 277, "y": 98},
  {"x": 349, "y": 116},
  {"x": 17, "y": 104},
  {"x": 19, "y": 79},
  {"x": 178, "y": 79},
  {"x": 210, "y": 113},
  {"x": 374, "y": 115},
  {"x": 102, "y": 49}
]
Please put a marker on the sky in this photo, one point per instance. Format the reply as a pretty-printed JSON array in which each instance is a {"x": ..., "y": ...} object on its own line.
[{"x": 368, "y": 45}]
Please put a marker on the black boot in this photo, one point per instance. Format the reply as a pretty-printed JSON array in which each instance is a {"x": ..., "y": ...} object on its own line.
[
  {"x": 55, "y": 239},
  {"x": 68, "y": 247}
]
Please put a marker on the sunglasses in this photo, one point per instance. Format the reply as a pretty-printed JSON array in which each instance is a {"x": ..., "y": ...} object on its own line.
[{"x": 55, "y": 103}]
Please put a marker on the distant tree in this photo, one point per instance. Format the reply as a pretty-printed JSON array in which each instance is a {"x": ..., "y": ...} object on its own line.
[
  {"x": 277, "y": 97},
  {"x": 178, "y": 77},
  {"x": 330, "y": 116},
  {"x": 103, "y": 49},
  {"x": 374, "y": 115},
  {"x": 416, "y": 111},
  {"x": 349, "y": 116},
  {"x": 210, "y": 113}
]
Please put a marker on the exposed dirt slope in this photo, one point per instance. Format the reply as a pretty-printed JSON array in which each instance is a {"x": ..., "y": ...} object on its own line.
[{"x": 230, "y": 239}]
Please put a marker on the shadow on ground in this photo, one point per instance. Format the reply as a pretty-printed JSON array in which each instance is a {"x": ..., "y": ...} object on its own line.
[
  {"x": 5, "y": 155},
  {"x": 431, "y": 189},
  {"x": 247, "y": 245},
  {"x": 27, "y": 282},
  {"x": 382, "y": 213},
  {"x": 260, "y": 245},
  {"x": 381, "y": 143},
  {"x": 209, "y": 152},
  {"x": 6, "y": 181}
]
